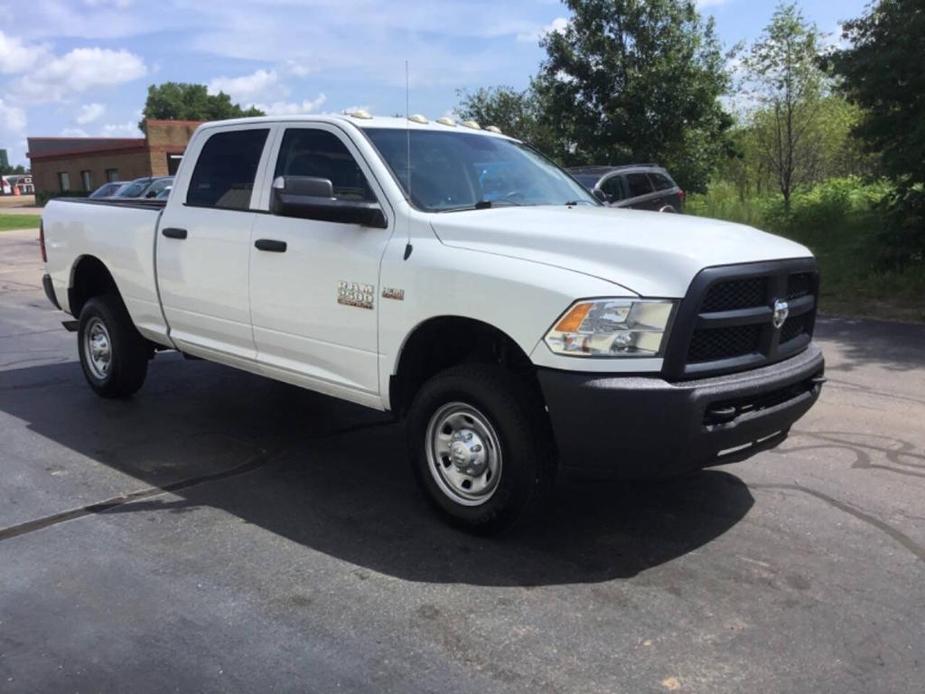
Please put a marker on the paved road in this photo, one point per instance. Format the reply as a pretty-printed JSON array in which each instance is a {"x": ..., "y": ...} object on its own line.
[{"x": 291, "y": 550}]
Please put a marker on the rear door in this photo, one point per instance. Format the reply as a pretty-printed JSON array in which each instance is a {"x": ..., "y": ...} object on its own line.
[
  {"x": 204, "y": 242},
  {"x": 641, "y": 192},
  {"x": 314, "y": 294}
]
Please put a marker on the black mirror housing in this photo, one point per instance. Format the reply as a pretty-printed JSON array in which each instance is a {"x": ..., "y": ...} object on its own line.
[
  {"x": 601, "y": 195},
  {"x": 307, "y": 197}
]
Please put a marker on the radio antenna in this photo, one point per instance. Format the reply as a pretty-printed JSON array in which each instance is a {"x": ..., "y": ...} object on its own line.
[{"x": 408, "y": 247}]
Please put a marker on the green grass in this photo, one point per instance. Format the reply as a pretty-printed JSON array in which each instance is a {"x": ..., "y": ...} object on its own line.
[
  {"x": 841, "y": 222},
  {"x": 19, "y": 221}
]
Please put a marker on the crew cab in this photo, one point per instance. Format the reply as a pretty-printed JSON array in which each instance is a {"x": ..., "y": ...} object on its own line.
[{"x": 456, "y": 278}]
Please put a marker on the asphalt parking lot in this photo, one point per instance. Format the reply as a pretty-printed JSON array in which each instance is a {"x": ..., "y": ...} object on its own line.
[{"x": 220, "y": 532}]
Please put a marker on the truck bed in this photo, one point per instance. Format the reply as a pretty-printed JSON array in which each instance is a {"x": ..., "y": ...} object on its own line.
[{"x": 119, "y": 233}]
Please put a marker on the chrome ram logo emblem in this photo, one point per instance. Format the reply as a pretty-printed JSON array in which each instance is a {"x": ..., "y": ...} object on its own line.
[{"x": 781, "y": 311}]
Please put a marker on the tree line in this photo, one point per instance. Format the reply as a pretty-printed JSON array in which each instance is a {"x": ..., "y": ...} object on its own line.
[{"x": 648, "y": 81}]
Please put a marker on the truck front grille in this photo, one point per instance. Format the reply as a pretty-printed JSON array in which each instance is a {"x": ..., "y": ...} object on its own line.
[
  {"x": 726, "y": 321},
  {"x": 710, "y": 345}
]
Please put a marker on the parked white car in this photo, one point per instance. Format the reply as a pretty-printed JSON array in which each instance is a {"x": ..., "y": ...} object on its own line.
[{"x": 476, "y": 290}]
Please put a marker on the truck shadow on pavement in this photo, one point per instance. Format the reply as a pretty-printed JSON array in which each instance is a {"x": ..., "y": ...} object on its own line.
[
  {"x": 334, "y": 478},
  {"x": 894, "y": 346}
]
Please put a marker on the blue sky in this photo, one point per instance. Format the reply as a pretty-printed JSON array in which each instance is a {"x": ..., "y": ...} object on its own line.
[{"x": 83, "y": 66}]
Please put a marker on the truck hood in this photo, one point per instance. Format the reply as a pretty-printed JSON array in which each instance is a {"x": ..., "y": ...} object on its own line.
[{"x": 652, "y": 254}]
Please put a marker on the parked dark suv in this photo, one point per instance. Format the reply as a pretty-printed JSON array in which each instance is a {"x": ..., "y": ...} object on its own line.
[{"x": 638, "y": 186}]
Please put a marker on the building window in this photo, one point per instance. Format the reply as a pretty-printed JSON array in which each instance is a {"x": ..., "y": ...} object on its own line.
[
  {"x": 112, "y": 175},
  {"x": 64, "y": 181},
  {"x": 86, "y": 180}
]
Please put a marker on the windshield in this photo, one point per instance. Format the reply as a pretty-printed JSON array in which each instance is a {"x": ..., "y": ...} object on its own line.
[
  {"x": 459, "y": 171},
  {"x": 587, "y": 180},
  {"x": 133, "y": 189}
]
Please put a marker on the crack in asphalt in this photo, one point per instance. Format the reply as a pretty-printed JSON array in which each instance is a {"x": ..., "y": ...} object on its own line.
[
  {"x": 253, "y": 463},
  {"x": 863, "y": 459},
  {"x": 894, "y": 533},
  {"x": 847, "y": 385}
]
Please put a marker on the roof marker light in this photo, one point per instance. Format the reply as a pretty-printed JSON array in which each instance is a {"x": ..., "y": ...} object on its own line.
[
  {"x": 446, "y": 120},
  {"x": 418, "y": 118},
  {"x": 472, "y": 124},
  {"x": 493, "y": 129},
  {"x": 360, "y": 113}
]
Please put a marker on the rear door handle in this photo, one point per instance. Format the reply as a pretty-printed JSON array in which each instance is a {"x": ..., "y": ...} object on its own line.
[
  {"x": 174, "y": 233},
  {"x": 270, "y": 245}
]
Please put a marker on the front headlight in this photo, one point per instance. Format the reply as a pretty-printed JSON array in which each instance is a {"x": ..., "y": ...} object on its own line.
[{"x": 612, "y": 328}]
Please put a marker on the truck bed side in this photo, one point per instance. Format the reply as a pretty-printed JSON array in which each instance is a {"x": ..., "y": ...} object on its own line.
[{"x": 119, "y": 235}]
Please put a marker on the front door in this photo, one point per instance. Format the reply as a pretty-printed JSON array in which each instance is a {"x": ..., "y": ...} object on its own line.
[
  {"x": 203, "y": 249},
  {"x": 314, "y": 284}
]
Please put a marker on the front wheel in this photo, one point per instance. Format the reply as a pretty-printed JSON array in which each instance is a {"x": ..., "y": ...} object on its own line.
[
  {"x": 481, "y": 447},
  {"x": 113, "y": 355}
]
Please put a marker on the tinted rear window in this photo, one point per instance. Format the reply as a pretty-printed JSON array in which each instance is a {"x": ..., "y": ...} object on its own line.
[
  {"x": 226, "y": 168},
  {"x": 639, "y": 184},
  {"x": 661, "y": 181}
]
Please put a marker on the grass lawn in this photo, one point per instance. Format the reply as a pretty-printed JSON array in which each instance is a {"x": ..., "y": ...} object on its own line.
[{"x": 19, "y": 221}]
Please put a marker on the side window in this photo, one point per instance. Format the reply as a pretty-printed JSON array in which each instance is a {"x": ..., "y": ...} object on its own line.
[
  {"x": 226, "y": 168},
  {"x": 321, "y": 154},
  {"x": 639, "y": 184},
  {"x": 661, "y": 181},
  {"x": 613, "y": 187}
]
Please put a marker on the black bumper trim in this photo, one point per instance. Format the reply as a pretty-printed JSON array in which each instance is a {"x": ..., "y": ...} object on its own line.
[
  {"x": 50, "y": 291},
  {"x": 642, "y": 426}
]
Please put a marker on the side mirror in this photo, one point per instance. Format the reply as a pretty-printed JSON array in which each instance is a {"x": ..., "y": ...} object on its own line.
[
  {"x": 307, "y": 197},
  {"x": 601, "y": 195}
]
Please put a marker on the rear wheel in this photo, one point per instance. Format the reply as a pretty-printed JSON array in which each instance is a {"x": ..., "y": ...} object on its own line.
[
  {"x": 113, "y": 355},
  {"x": 480, "y": 447}
]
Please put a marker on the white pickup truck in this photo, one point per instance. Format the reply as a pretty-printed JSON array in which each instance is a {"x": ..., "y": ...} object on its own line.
[{"x": 456, "y": 278}]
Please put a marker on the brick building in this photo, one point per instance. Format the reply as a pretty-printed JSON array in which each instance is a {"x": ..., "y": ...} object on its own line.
[{"x": 82, "y": 164}]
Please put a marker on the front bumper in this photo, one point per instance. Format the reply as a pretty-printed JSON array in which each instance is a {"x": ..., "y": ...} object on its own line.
[{"x": 641, "y": 426}]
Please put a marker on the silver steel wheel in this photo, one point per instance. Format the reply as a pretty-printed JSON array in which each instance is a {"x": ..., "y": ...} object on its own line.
[
  {"x": 463, "y": 454},
  {"x": 98, "y": 348}
]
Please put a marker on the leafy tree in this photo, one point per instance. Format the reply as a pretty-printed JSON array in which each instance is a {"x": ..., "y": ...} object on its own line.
[
  {"x": 183, "y": 101},
  {"x": 783, "y": 74},
  {"x": 636, "y": 81},
  {"x": 516, "y": 113},
  {"x": 882, "y": 72}
]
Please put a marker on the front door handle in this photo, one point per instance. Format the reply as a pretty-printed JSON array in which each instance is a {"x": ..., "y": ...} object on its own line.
[
  {"x": 174, "y": 233},
  {"x": 270, "y": 245}
]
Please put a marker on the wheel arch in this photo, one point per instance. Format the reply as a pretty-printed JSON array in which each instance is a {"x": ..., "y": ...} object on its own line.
[
  {"x": 440, "y": 342},
  {"x": 89, "y": 278}
]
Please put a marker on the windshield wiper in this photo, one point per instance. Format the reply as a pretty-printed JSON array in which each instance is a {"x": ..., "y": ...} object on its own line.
[
  {"x": 572, "y": 203},
  {"x": 483, "y": 205}
]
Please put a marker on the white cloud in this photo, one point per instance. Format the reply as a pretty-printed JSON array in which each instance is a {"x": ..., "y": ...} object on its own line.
[
  {"x": 74, "y": 132},
  {"x": 297, "y": 68},
  {"x": 16, "y": 56},
  {"x": 12, "y": 118},
  {"x": 556, "y": 26},
  {"x": 262, "y": 84},
  {"x": 78, "y": 71},
  {"x": 127, "y": 129},
  {"x": 89, "y": 113},
  {"x": 287, "y": 108}
]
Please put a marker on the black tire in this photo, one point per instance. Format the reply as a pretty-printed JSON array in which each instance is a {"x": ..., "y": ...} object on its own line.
[
  {"x": 128, "y": 350},
  {"x": 516, "y": 415}
]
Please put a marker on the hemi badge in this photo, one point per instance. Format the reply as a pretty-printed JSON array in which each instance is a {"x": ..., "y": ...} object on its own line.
[{"x": 393, "y": 293}]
